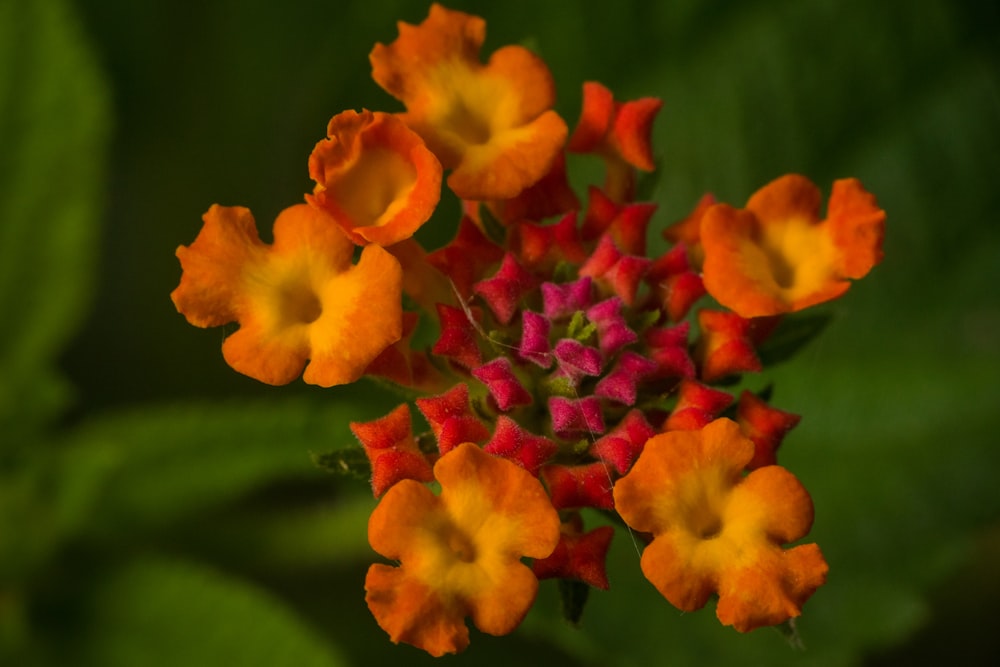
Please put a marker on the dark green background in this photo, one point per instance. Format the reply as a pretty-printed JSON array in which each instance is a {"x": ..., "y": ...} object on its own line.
[{"x": 158, "y": 508}]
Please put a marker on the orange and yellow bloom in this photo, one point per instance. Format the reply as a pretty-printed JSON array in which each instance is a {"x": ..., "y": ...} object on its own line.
[
  {"x": 492, "y": 124},
  {"x": 375, "y": 177},
  {"x": 460, "y": 552},
  {"x": 718, "y": 532},
  {"x": 777, "y": 256},
  {"x": 297, "y": 300}
]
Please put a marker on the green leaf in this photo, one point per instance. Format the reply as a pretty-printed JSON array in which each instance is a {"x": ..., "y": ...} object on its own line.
[
  {"x": 157, "y": 612},
  {"x": 315, "y": 536},
  {"x": 54, "y": 117},
  {"x": 173, "y": 461},
  {"x": 44, "y": 500}
]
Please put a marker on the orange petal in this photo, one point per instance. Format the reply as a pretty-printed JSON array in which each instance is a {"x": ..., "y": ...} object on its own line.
[
  {"x": 410, "y": 612},
  {"x": 375, "y": 177},
  {"x": 209, "y": 290},
  {"x": 361, "y": 317},
  {"x": 857, "y": 225},
  {"x": 677, "y": 573},
  {"x": 396, "y": 526},
  {"x": 501, "y": 606},
  {"x": 773, "y": 501},
  {"x": 772, "y": 590}
]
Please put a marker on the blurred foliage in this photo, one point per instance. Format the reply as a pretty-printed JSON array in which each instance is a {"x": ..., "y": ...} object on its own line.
[{"x": 157, "y": 508}]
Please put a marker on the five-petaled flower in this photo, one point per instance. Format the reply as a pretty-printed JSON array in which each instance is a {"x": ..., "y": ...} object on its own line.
[
  {"x": 718, "y": 531},
  {"x": 459, "y": 552}
]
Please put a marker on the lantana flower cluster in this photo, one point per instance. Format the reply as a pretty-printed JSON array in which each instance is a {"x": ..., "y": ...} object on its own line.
[{"x": 571, "y": 373}]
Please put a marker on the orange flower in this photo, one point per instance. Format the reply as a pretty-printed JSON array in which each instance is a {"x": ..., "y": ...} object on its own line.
[
  {"x": 459, "y": 552},
  {"x": 296, "y": 300},
  {"x": 375, "y": 177},
  {"x": 716, "y": 531},
  {"x": 776, "y": 255},
  {"x": 492, "y": 124}
]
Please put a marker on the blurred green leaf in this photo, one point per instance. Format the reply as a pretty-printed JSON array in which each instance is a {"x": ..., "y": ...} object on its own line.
[
  {"x": 168, "y": 613},
  {"x": 42, "y": 502},
  {"x": 316, "y": 535},
  {"x": 173, "y": 461},
  {"x": 54, "y": 117}
]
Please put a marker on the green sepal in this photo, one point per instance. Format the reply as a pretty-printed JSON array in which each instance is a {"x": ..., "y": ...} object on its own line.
[
  {"x": 791, "y": 335},
  {"x": 347, "y": 462},
  {"x": 573, "y": 596}
]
